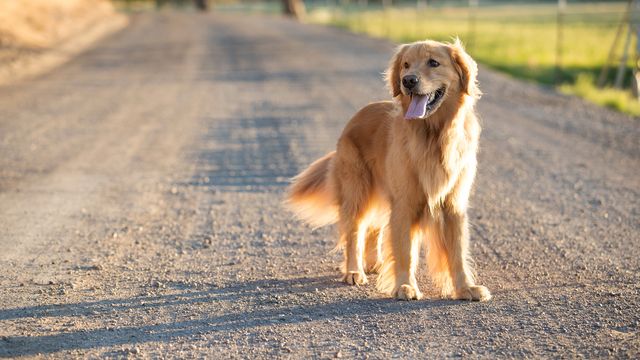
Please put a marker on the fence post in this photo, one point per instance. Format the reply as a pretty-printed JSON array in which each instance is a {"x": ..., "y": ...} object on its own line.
[
  {"x": 602, "y": 78},
  {"x": 386, "y": 6},
  {"x": 622, "y": 67},
  {"x": 423, "y": 7},
  {"x": 635, "y": 79},
  {"x": 471, "y": 37},
  {"x": 562, "y": 4}
]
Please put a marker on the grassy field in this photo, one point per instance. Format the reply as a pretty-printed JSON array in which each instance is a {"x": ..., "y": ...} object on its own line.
[{"x": 519, "y": 40}]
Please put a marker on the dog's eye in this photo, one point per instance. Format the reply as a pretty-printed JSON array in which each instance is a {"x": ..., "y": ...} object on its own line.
[
  {"x": 433, "y": 63},
  {"x": 406, "y": 65}
]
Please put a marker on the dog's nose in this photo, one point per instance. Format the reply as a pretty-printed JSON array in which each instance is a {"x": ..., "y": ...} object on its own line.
[{"x": 410, "y": 81}]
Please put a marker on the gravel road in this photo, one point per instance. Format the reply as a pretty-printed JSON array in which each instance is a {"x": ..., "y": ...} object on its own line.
[{"x": 140, "y": 207}]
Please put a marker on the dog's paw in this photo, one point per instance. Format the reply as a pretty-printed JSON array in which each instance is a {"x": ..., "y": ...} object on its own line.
[
  {"x": 355, "y": 278},
  {"x": 475, "y": 293},
  {"x": 408, "y": 292}
]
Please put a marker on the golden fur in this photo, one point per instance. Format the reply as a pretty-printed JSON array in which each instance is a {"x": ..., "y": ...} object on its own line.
[{"x": 392, "y": 182}]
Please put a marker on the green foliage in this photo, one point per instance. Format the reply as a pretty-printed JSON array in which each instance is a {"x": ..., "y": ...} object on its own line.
[
  {"x": 519, "y": 40},
  {"x": 616, "y": 99}
]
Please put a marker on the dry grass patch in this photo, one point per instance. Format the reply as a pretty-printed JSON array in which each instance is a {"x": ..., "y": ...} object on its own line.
[{"x": 37, "y": 24}]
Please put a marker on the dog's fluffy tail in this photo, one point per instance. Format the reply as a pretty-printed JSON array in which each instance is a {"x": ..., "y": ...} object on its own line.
[{"x": 312, "y": 196}]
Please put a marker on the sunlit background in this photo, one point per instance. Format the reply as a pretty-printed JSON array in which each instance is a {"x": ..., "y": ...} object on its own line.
[{"x": 585, "y": 48}]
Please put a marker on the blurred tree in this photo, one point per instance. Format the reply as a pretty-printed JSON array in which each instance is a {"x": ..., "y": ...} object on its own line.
[
  {"x": 294, "y": 8},
  {"x": 202, "y": 5}
]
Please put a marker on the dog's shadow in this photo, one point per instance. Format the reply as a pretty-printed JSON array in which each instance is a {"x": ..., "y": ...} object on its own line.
[{"x": 244, "y": 306}]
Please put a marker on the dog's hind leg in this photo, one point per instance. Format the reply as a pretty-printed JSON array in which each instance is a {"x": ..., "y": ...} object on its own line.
[
  {"x": 353, "y": 235},
  {"x": 353, "y": 181},
  {"x": 373, "y": 250},
  {"x": 353, "y": 232}
]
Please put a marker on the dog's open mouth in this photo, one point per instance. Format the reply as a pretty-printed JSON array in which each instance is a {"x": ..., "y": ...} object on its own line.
[{"x": 424, "y": 105}]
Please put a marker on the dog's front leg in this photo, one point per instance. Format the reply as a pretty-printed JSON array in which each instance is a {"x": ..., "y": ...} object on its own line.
[
  {"x": 398, "y": 275},
  {"x": 456, "y": 242}
]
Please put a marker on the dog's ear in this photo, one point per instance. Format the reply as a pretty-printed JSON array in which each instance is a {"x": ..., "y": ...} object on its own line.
[
  {"x": 393, "y": 72},
  {"x": 466, "y": 67}
]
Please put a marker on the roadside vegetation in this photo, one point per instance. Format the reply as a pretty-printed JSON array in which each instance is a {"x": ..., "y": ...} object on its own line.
[
  {"x": 517, "y": 39},
  {"x": 37, "y": 24}
]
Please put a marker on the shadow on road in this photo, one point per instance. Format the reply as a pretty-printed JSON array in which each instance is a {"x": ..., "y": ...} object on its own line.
[
  {"x": 268, "y": 310},
  {"x": 248, "y": 153}
]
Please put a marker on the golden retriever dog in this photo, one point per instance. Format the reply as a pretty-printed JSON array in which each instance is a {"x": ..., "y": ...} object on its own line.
[{"x": 403, "y": 171}]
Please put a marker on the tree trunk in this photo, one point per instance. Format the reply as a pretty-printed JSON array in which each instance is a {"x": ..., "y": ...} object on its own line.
[
  {"x": 202, "y": 5},
  {"x": 294, "y": 8}
]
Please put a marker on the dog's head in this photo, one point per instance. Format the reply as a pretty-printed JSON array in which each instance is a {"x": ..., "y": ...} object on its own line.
[{"x": 428, "y": 74}]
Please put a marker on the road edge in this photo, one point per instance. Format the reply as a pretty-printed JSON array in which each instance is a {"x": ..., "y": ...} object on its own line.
[{"x": 32, "y": 65}]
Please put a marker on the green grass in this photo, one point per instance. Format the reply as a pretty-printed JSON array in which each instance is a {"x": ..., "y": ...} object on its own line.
[
  {"x": 518, "y": 40},
  {"x": 611, "y": 98}
]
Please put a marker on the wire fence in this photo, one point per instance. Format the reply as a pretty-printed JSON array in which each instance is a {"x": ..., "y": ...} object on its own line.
[
  {"x": 549, "y": 42},
  {"x": 587, "y": 48}
]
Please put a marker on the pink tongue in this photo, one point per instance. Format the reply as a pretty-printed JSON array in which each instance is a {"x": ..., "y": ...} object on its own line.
[{"x": 417, "y": 108}]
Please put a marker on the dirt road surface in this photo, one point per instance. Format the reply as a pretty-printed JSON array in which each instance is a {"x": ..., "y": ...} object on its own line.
[{"x": 140, "y": 207}]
